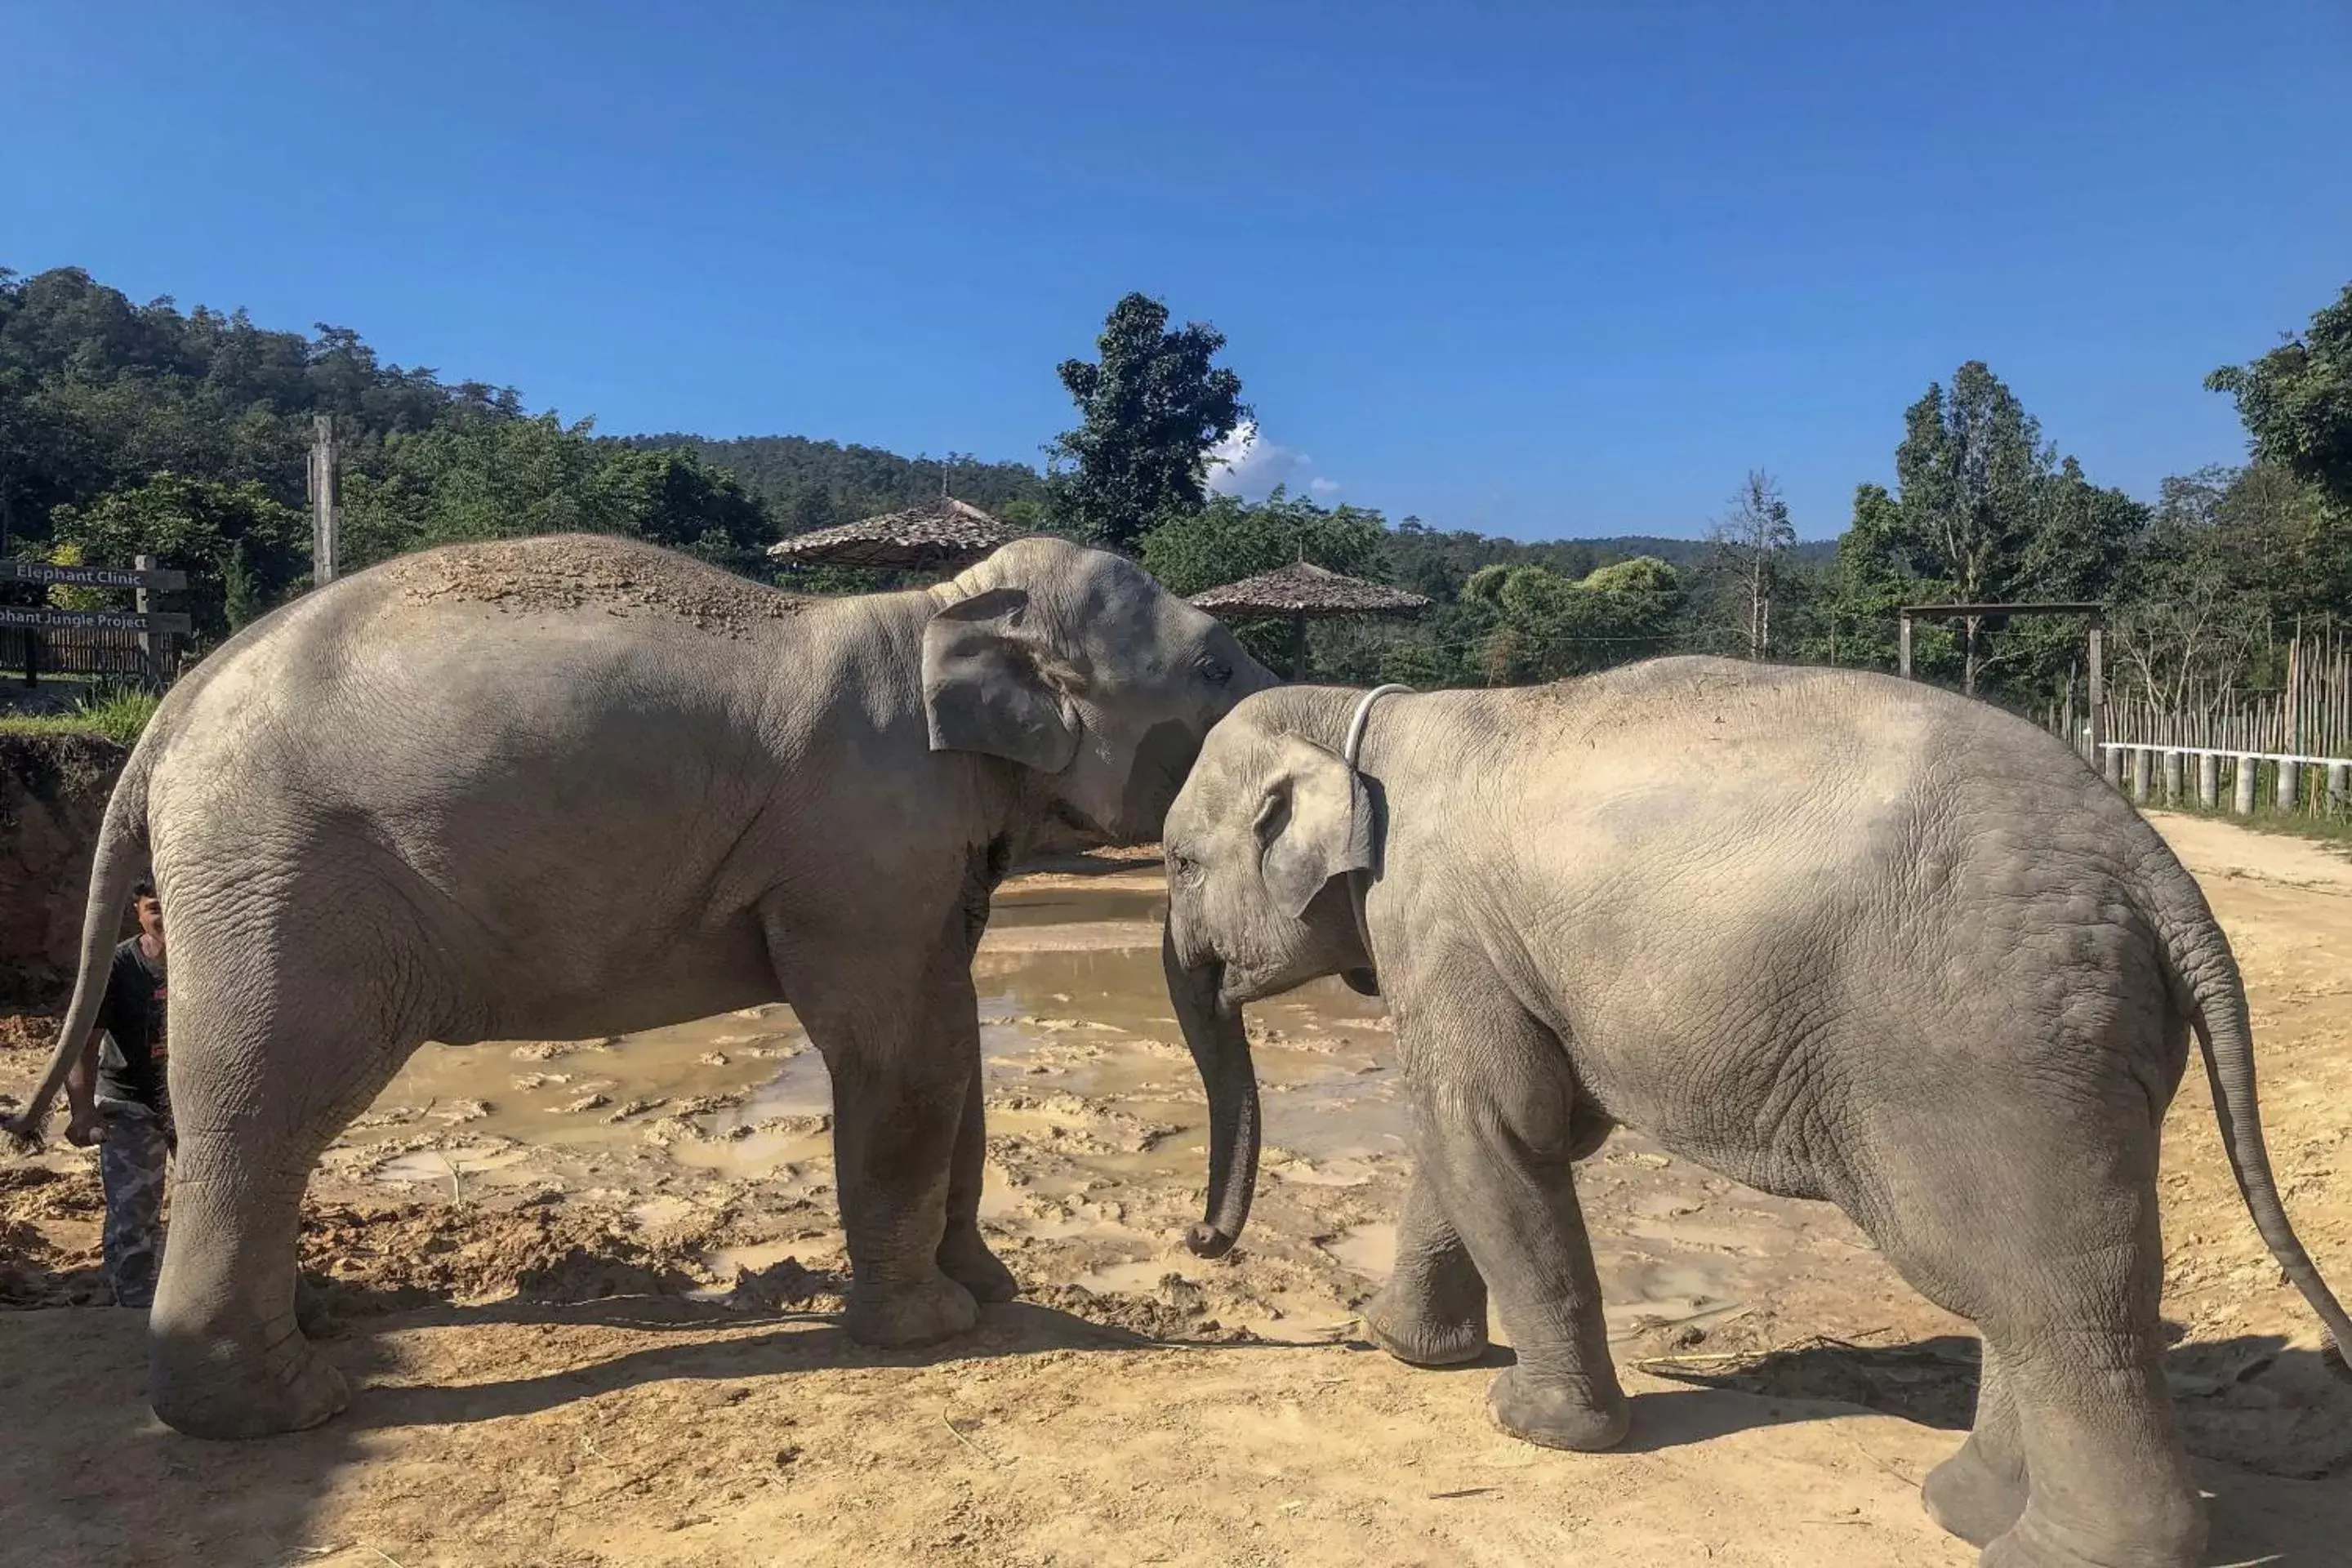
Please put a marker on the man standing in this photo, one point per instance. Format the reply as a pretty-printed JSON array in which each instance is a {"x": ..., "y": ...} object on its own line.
[{"x": 127, "y": 1110}]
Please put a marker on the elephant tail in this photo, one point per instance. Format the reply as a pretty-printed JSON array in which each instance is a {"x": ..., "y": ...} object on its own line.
[
  {"x": 121, "y": 858},
  {"x": 2207, "y": 976}
]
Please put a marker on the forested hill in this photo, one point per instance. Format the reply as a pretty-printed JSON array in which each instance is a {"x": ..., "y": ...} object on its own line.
[
  {"x": 812, "y": 484},
  {"x": 808, "y": 483},
  {"x": 130, "y": 428},
  {"x": 1690, "y": 553}
]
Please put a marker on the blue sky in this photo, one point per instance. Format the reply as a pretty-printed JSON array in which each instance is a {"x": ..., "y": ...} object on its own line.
[{"x": 1538, "y": 270}]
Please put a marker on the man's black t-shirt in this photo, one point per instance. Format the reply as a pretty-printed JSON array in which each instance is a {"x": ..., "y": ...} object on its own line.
[{"x": 130, "y": 1063}]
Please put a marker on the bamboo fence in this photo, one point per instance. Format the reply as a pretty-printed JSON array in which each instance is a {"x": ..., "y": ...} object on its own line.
[{"x": 2290, "y": 747}]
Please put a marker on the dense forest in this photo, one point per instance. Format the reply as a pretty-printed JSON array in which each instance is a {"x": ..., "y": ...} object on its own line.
[{"x": 129, "y": 429}]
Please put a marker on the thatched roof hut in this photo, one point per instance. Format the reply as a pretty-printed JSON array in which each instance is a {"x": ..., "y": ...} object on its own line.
[
  {"x": 940, "y": 534},
  {"x": 1301, "y": 591}
]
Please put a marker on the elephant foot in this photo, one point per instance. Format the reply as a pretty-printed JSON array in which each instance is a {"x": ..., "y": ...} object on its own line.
[
  {"x": 918, "y": 1312},
  {"x": 1421, "y": 1338},
  {"x": 225, "y": 1389},
  {"x": 2165, "y": 1536},
  {"x": 1560, "y": 1413},
  {"x": 1972, "y": 1499},
  {"x": 965, "y": 1258}
]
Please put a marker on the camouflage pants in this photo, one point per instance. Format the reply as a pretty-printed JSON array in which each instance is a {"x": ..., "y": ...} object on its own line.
[{"x": 131, "y": 1158}]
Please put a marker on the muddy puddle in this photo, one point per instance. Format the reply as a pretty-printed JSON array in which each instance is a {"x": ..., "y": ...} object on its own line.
[{"x": 1096, "y": 1126}]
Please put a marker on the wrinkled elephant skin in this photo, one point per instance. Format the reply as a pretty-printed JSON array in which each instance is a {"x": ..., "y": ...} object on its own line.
[
  {"x": 1833, "y": 935},
  {"x": 572, "y": 786}
]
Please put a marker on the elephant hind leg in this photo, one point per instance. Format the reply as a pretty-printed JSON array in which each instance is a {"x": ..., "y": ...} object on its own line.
[
  {"x": 272, "y": 1052},
  {"x": 225, "y": 1357},
  {"x": 2043, "y": 1229},
  {"x": 1433, "y": 1310},
  {"x": 1978, "y": 1493}
]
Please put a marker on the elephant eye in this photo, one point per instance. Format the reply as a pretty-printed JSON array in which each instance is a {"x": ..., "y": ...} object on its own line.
[{"x": 1216, "y": 671}]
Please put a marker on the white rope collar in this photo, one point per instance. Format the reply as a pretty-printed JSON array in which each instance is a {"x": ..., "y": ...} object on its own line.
[{"x": 1355, "y": 743}]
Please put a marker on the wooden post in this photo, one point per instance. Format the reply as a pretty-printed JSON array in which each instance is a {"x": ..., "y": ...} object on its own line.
[
  {"x": 2139, "y": 772},
  {"x": 2097, "y": 692},
  {"x": 147, "y": 670},
  {"x": 322, "y": 500},
  {"x": 2173, "y": 794},
  {"x": 1298, "y": 647},
  {"x": 1903, "y": 646},
  {"x": 2339, "y": 786},
  {"x": 2209, "y": 781},
  {"x": 2290, "y": 784},
  {"x": 2245, "y": 800}
]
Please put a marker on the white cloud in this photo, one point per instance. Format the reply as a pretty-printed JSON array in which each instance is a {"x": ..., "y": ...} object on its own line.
[{"x": 1248, "y": 465}]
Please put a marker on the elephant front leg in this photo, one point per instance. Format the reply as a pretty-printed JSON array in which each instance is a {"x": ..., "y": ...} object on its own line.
[
  {"x": 1496, "y": 1102},
  {"x": 1433, "y": 1310},
  {"x": 964, "y": 1257},
  {"x": 894, "y": 1132},
  {"x": 902, "y": 1044}
]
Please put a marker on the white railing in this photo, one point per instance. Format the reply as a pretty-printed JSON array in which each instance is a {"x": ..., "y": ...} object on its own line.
[
  {"x": 2157, "y": 770},
  {"x": 2226, "y": 752}
]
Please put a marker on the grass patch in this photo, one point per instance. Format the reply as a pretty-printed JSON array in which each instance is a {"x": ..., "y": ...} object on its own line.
[{"x": 118, "y": 712}]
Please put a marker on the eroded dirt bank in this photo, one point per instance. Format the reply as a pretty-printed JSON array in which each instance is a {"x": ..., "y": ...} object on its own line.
[
  {"x": 585, "y": 1291},
  {"x": 53, "y": 793}
]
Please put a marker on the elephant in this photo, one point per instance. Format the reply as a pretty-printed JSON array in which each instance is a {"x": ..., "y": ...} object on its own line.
[
  {"x": 576, "y": 786},
  {"x": 1833, "y": 935}
]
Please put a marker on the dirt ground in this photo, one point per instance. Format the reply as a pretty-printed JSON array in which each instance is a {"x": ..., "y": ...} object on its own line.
[{"x": 586, "y": 1292}]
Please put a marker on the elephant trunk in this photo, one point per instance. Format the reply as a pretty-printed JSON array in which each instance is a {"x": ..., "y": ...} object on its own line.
[{"x": 1219, "y": 1048}]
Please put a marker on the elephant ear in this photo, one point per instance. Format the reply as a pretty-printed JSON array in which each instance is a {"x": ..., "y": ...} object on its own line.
[
  {"x": 1314, "y": 823},
  {"x": 993, "y": 682}
]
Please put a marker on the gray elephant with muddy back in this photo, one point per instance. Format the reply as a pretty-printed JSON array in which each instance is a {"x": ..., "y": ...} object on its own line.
[
  {"x": 1829, "y": 933},
  {"x": 572, "y": 786}
]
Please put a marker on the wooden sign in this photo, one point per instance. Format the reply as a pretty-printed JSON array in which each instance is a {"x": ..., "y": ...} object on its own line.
[
  {"x": 162, "y": 623},
  {"x": 162, "y": 579}
]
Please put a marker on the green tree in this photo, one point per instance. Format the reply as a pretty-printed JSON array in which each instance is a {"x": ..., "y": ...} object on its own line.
[
  {"x": 2296, "y": 401},
  {"x": 672, "y": 499},
  {"x": 1150, "y": 409},
  {"x": 1230, "y": 539},
  {"x": 1969, "y": 475},
  {"x": 1549, "y": 626},
  {"x": 481, "y": 478},
  {"x": 243, "y": 552},
  {"x": 1870, "y": 580}
]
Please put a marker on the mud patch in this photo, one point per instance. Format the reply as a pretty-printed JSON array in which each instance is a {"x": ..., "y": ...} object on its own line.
[
  {"x": 391, "y": 1259},
  {"x": 49, "y": 1223}
]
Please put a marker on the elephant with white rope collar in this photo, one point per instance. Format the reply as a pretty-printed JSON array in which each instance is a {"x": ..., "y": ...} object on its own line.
[{"x": 1829, "y": 933}]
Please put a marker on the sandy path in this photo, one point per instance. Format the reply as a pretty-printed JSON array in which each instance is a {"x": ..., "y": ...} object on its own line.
[{"x": 603, "y": 1417}]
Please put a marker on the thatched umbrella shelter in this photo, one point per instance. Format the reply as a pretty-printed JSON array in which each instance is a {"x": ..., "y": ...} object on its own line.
[
  {"x": 1303, "y": 590},
  {"x": 940, "y": 534}
]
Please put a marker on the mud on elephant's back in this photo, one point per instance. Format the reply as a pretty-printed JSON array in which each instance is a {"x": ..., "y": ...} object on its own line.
[{"x": 53, "y": 794}]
